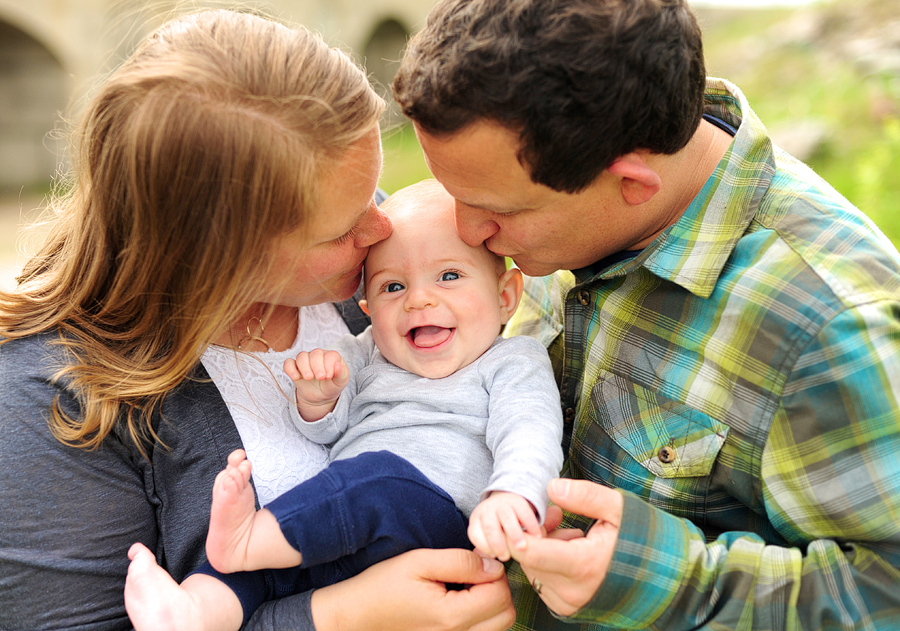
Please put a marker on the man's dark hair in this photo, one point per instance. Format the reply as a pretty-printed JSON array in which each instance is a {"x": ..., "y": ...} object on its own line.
[{"x": 582, "y": 82}]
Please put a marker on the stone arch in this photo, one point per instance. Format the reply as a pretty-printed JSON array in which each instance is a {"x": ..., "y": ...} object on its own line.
[
  {"x": 28, "y": 19},
  {"x": 34, "y": 90},
  {"x": 382, "y": 58}
]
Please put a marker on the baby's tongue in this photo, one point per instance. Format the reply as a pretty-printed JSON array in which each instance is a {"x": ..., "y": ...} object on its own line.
[{"x": 428, "y": 336}]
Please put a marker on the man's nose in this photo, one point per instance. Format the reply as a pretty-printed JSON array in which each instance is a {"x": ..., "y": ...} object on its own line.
[{"x": 475, "y": 226}]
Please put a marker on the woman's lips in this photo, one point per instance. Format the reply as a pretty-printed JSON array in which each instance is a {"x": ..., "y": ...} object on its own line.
[{"x": 428, "y": 336}]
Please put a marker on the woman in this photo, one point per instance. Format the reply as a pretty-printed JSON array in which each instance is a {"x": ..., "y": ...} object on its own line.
[{"x": 224, "y": 196}]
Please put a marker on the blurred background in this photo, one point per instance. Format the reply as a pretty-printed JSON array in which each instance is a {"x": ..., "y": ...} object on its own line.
[{"x": 824, "y": 76}]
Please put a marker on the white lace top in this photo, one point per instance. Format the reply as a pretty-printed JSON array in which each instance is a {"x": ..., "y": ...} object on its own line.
[{"x": 258, "y": 393}]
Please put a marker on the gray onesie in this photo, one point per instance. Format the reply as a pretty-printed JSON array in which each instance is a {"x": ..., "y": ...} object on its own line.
[{"x": 494, "y": 425}]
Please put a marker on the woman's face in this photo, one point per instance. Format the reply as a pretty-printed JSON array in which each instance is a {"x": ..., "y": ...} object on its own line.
[{"x": 323, "y": 261}]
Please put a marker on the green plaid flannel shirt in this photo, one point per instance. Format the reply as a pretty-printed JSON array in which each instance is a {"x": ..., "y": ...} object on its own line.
[{"x": 739, "y": 381}]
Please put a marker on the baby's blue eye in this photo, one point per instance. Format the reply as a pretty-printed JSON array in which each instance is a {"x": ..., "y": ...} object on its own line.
[
  {"x": 392, "y": 287},
  {"x": 450, "y": 276}
]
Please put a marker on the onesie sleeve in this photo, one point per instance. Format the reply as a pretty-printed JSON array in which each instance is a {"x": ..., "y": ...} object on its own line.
[
  {"x": 524, "y": 431},
  {"x": 357, "y": 353}
]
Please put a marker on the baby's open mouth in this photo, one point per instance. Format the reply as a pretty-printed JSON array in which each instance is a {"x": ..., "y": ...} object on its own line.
[{"x": 429, "y": 336}]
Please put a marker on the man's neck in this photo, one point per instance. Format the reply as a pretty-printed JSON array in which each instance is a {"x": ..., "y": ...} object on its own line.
[
  {"x": 693, "y": 165},
  {"x": 682, "y": 176}
]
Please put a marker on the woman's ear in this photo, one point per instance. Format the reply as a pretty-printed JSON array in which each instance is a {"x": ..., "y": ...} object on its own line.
[
  {"x": 511, "y": 286},
  {"x": 638, "y": 182}
]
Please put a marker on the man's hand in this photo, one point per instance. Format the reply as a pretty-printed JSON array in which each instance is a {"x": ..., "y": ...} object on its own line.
[
  {"x": 566, "y": 567},
  {"x": 499, "y": 522}
]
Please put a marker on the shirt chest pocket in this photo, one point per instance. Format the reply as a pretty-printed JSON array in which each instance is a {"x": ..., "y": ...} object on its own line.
[{"x": 668, "y": 438}]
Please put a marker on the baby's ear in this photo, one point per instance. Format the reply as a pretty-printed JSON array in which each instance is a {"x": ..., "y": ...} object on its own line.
[
  {"x": 511, "y": 286},
  {"x": 364, "y": 305}
]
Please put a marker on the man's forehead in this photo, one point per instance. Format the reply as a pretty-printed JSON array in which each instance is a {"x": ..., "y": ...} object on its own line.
[{"x": 479, "y": 166}]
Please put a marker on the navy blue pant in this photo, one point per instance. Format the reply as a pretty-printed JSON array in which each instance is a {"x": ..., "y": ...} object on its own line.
[{"x": 353, "y": 514}]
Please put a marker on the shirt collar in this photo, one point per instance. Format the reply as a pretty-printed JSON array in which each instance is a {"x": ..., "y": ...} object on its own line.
[{"x": 693, "y": 251}]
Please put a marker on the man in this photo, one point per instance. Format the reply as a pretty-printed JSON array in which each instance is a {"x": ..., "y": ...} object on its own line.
[{"x": 725, "y": 327}]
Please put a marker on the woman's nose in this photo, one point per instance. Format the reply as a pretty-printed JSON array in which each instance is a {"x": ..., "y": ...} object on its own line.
[{"x": 374, "y": 227}]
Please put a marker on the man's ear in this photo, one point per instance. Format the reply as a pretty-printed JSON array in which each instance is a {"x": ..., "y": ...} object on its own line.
[
  {"x": 638, "y": 182},
  {"x": 511, "y": 287},
  {"x": 364, "y": 305}
]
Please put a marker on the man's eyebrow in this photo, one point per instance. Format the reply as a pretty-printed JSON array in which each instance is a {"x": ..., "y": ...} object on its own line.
[
  {"x": 491, "y": 207},
  {"x": 482, "y": 206}
]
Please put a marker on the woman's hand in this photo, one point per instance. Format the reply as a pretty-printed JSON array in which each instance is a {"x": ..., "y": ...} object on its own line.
[
  {"x": 566, "y": 567},
  {"x": 408, "y": 592}
]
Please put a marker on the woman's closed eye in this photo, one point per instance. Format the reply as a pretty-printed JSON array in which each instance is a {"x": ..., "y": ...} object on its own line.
[{"x": 347, "y": 236}]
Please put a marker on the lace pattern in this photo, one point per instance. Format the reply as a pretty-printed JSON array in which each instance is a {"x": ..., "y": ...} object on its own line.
[{"x": 258, "y": 393}]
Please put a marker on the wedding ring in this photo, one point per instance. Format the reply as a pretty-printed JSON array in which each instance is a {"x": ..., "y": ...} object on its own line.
[{"x": 537, "y": 585}]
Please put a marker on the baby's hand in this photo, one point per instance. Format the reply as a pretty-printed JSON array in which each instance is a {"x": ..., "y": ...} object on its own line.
[
  {"x": 497, "y": 523},
  {"x": 319, "y": 376}
]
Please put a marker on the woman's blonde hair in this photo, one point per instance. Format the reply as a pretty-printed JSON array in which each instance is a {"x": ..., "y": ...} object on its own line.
[{"x": 206, "y": 144}]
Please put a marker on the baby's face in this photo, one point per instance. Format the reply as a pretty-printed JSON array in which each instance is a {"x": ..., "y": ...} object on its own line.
[{"x": 435, "y": 302}]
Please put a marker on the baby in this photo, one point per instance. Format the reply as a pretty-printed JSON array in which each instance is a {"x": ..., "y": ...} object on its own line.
[{"x": 442, "y": 433}]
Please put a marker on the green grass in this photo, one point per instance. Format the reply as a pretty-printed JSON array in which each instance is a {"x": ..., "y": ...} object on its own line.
[{"x": 404, "y": 163}]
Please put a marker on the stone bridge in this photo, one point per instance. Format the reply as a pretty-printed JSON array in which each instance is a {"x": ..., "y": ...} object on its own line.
[{"x": 53, "y": 51}]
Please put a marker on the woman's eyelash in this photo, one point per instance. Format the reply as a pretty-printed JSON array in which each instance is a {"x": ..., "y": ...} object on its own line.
[{"x": 349, "y": 235}]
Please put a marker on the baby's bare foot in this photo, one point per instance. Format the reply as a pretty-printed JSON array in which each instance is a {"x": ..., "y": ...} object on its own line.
[
  {"x": 153, "y": 600},
  {"x": 241, "y": 538},
  {"x": 231, "y": 516}
]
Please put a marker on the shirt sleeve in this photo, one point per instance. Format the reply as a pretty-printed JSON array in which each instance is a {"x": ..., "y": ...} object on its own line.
[
  {"x": 524, "y": 431},
  {"x": 292, "y": 612},
  {"x": 831, "y": 482},
  {"x": 356, "y": 352},
  {"x": 67, "y": 515}
]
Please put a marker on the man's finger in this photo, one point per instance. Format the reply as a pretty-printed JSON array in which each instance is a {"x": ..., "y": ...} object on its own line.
[
  {"x": 586, "y": 498},
  {"x": 566, "y": 534},
  {"x": 553, "y": 518},
  {"x": 552, "y": 555}
]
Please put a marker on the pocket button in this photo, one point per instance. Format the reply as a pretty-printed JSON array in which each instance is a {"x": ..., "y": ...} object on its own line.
[{"x": 666, "y": 454}]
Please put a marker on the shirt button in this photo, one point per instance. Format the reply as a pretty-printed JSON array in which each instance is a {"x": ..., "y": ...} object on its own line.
[
  {"x": 569, "y": 416},
  {"x": 666, "y": 454},
  {"x": 584, "y": 297}
]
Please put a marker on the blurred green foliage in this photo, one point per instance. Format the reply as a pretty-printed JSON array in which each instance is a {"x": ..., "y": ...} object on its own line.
[
  {"x": 816, "y": 64},
  {"x": 404, "y": 163}
]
